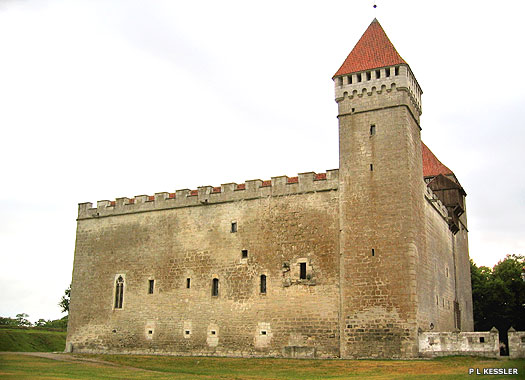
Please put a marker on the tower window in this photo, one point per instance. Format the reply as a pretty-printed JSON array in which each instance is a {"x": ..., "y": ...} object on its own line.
[
  {"x": 215, "y": 287},
  {"x": 359, "y": 77},
  {"x": 378, "y": 74},
  {"x": 302, "y": 271},
  {"x": 340, "y": 81},
  {"x": 349, "y": 79},
  {"x": 387, "y": 72},
  {"x": 371, "y": 167},
  {"x": 373, "y": 252},
  {"x": 372, "y": 130},
  {"x": 396, "y": 70},
  {"x": 482, "y": 339},
  {"x": 263, "y": 284},
  {"x": 234, "y": 227},
  {"x": 188, "y": 283},
  {"x": 368, "y": 75},
  {"x": 151, "y": 286},
  {"x": 119, "y": 292},
  {"x": 263, "y": 332},
  {"x": 244, "y": 253}
]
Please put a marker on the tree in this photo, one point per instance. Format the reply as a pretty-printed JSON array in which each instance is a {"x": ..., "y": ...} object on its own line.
[
  {"x": 64, "y": 301},
  {"x": 22, "y": 321},
  {"x": 498, "y": 295}
]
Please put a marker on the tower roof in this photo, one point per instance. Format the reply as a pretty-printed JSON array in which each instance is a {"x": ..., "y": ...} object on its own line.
[
  {"x": 431, "y": 165},
  {"x": 372, "y": 51}
]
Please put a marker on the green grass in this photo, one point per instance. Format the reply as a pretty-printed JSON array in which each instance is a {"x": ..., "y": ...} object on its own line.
[
  {"x": 31, "y": 340},
  {"x": 131, "y": 367}
]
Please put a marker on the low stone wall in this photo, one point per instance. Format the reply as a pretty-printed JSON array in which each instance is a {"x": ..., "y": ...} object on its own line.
[
  {"x": 516, "y": 343},
  {"x": 479, "y": 343}
]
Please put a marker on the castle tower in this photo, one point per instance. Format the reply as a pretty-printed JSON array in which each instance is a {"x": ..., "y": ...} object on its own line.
[{"x": 381, "y": 199}]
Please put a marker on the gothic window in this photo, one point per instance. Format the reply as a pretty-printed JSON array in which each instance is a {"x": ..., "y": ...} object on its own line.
[
  {"x": 119, "y": 292},
  {"x": 302, "y": 271},
  {"x": 215, "y": 287},
  {"x": 151, "y": 286},
  {"x": 263, "y": 284}
]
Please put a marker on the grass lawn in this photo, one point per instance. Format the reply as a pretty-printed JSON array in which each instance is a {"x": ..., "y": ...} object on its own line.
[
  {"x": 31, "y": 340},
  {"x": 130, "y": 367}
]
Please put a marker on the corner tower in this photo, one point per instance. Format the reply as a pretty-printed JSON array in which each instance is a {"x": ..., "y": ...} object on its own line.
[{"x": 381, "y": 199}]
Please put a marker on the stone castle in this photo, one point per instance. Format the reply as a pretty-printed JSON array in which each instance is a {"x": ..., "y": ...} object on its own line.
[{"x": 351, "y": 263}]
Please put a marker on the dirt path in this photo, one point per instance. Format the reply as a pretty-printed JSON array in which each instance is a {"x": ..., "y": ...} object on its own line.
[{"x": 76, "y": 359}]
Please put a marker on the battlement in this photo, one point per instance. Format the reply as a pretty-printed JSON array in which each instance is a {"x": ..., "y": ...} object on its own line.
[
  {"x": 206, "y": 195},
  {"x": 436, "y": 203},
  {"x": 380, "y": 80}
]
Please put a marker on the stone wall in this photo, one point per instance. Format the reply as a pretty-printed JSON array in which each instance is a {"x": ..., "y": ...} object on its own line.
[
  {"x": 433, "y": 344},
  {"x": 173, "y": 244},
  {"x": 516, "y": 343}
]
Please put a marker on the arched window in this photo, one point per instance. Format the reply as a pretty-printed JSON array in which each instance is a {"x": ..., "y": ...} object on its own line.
[
  {"x": 263, "y": 284},
  {"x": 215, "y": 287},
  {"x": 119, "y": 292}
]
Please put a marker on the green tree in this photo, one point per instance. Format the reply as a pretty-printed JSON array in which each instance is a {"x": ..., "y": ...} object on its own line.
[
  {"x": 498, "y": 295},
  {"x": 21, "y": 320},
  {"x": 64, "y": 301}
]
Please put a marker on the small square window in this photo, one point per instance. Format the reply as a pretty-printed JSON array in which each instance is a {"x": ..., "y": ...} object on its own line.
[
  {"x": 523, "y": 339},
  {"x": 187, "y": 332},
  {"x": 212, "y": 332},
  {"x": 244, "y": 253},
  {"x": 263, "y": 332},
  {"x": 150, "y": 332},
  {"x": 482, "y": 339}
]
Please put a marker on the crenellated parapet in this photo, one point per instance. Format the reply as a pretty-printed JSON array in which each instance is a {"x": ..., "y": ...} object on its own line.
[
  {"x": 383, "y": 80},
  {"x": 207, "y": 195},
  {"x": 436, "y": 203}
]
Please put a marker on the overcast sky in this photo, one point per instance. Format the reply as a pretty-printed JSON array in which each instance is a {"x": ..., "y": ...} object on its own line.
[{"x": 105, "y": 99}]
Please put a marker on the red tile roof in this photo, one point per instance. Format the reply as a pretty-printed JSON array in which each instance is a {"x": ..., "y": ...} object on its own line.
[
  {"x": 372, "y": 51},
  {"x": 431, "y": 165}
]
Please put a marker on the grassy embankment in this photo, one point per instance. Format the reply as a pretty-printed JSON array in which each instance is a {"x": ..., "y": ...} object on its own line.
[
  {"x": 31, "y": 340},
  {"x": 129, "y": 367}
]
